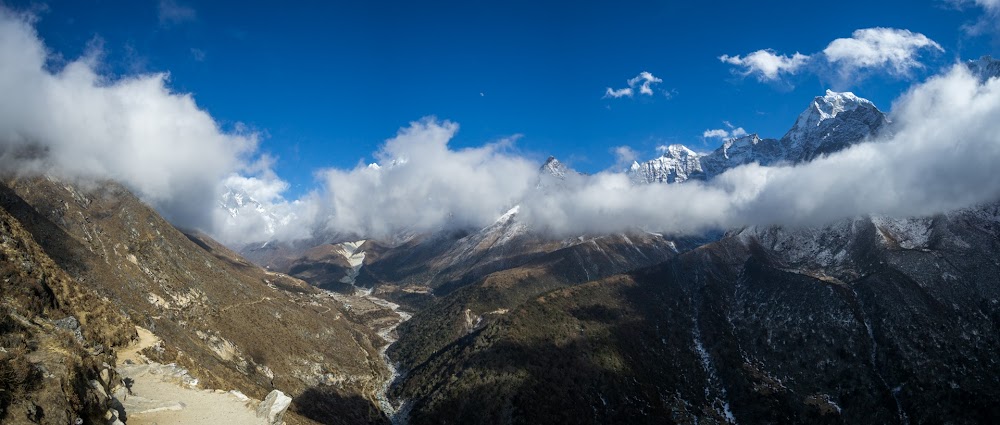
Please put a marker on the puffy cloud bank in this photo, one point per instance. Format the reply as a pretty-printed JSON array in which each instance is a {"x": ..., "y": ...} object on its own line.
[
  {"x": 424, "y": 185},
  {"x": 72, "y": 122},
  {"x": 890, "y": 50},
  {"x": 941, "y": 156}
]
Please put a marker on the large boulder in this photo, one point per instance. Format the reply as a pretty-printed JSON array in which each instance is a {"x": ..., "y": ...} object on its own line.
[{"x": 273, "y": 407}]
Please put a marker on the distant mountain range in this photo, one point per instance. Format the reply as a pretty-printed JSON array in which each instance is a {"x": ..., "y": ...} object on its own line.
[{"x": 831, "y": 123}]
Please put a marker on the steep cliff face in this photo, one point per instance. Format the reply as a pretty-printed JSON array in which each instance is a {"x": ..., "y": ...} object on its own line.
[{"x": 230, "y": 323}]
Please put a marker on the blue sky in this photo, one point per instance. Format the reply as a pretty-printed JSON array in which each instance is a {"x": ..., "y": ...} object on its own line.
[{"x": 328, "y": 83}]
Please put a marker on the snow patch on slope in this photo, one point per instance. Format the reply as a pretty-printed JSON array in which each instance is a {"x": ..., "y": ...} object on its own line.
[{"x": 356, "y": 258}]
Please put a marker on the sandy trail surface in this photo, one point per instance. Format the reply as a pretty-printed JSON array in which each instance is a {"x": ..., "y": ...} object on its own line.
[{"x": 166, "y": 394}]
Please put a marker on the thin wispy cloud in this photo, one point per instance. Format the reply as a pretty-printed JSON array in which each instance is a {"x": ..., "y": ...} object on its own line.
[
  {"x": 987, "y": 5},
  {"x": 988, "y": 22},
  {"x": 197, "y": 54},
  {"x": 644, "y": 82},
  {"x": 172, "y": 13},
  {"x": 887, "y": 50},
  {"x": 617, "y": 93}
]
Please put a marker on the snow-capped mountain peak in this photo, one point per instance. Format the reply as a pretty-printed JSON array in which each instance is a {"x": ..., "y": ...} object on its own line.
[
  {"x": 553, "y": 175},
  {"x": 234, "y": 201},
  {"x": 825, "y": 108},
  {"x": 832, "y": 123},
  {"x": 676, "y": 164},
  {"x": 678, "y": 151},
  {"x": 554, "y": 168}
]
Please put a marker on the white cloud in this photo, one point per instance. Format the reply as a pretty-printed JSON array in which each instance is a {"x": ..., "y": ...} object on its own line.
[
  {"x": 894, "y": 51},
  {"x": 280, "y": 219},
  {"x": 720, "y": 133},
  {"x": 424, "y": 185},
  {"x": 644, "y": 81},
  {"x": 627, "y": 91},
  {"x": 624, "y": 155},
  {"x": 891, "y": 49},
  {"x": 724, "y": 134},
  {"x": 766, "y": 64},
  {"x": 75, "y": 123}
]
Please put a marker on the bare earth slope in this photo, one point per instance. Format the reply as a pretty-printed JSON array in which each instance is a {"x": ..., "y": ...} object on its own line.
[{"x": 227, "y": 321}]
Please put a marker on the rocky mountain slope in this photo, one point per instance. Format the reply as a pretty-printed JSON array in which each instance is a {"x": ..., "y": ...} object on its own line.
[
  {"x": 231, "y": 324},
  {"x": 869, "y": 320},
  {"x": 57, "y": 337}
]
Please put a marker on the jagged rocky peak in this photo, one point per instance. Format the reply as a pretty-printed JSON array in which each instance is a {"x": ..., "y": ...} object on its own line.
[
  {"x": 985, "y": 67},
  {"x": 677, "y": 151},
  {"x": 741, "y": 151},
  {"x": 824, "y": 108},
  {"x": 740, "y": 144},
  {"x": 554, "y": 175},
  {"x": 676, "y": 164},
  {"x": 832, "y": 123},
  {"x": 553, "y": 167}
]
